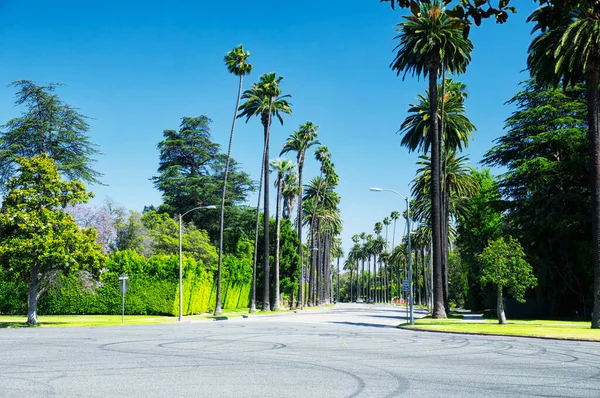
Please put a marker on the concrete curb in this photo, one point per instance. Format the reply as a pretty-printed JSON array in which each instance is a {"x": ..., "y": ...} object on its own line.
[{"x": 496, "y": 335}]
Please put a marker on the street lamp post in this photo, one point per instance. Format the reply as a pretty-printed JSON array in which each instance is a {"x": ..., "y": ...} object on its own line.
[
  {"x": 410, "y": 275},
  {"x": 181, "y": 259}
]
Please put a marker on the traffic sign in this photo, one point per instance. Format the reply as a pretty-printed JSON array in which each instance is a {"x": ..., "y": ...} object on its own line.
[
  {"x": 123, "y": 283},
  {"x": 405, "y": 285}
]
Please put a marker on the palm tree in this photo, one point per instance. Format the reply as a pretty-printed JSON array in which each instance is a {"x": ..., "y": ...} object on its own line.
[
  {"x": 386, "y": 222},
  {"x": 299, "y": 141},
  {"x": 337, "y": 252},
  {"x": 568, "y": 52},
  {"x": 426, "y": 39},
  {"x": 458, "y": 129},
  {"x": 264, "y": 99},
  {"x": 395, "y": 216},
  {"x": 352, "y": 260},
  {"x": 282, "y": 167},
  {"x": 236, "y": 61},
  {"x": 459, "y": 185},
  {"x": 290, "y": 191}
]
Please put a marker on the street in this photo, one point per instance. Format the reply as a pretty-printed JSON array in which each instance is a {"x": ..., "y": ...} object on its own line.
[{"x": 351, "y": 350}]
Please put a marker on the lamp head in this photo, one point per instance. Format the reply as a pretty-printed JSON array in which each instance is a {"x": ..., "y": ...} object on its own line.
[
  {"x": 376, "y": 189},
  {"x": 209, "y": 207}
]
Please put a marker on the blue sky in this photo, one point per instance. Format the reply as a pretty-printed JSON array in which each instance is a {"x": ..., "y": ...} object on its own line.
[{"x": 137, "y": 67}]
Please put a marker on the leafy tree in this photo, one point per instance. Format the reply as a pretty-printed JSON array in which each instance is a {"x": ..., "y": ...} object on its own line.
[
  {"x": 236, "y": 61},
  {"x": 480, "y": 223},
  {"x": 429, "y": 42},
  {"x": 264, "y": 99},
  {"x": 191, "y": 171},
  {"x": 567, "y": 53},
  {"x": 49, "y": 126},
  {"x": 467, "y": 11},
  {"x": 503, "y": 264},
  {"x": 299, "y": 141},
  {"x": 102, "y": 218},
  {"x": 546, "y": 193},
  {"x": 37, "y": 239}
]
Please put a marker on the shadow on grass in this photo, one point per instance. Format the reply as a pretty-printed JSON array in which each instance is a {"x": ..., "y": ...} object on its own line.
[
  {"x": 8, "y": 325},
  {"x": 12, "y": 325}
]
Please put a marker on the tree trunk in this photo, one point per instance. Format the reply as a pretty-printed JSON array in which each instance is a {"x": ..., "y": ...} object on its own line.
[
  {"x": 299, "y": 225},
  {"x": 439, "y": 310},
  {"x": 218, "y": 310},
  {"x": 445, "y": 248},
  {"x": 319, "y": 253},
  {"x": 32, "y": 296},
  {"x": 277, "y": 239},
  {"x": 444, "y": 192},
  {"x": 312, "y": 273},
  {"x": 594, "y": 148},
  {"x": 351, "y": 283},
  {"x": 253, "y": 299},
  {"x": 337, "y": 296},
  {"x": 266, "y": 279},
  {"x": 500, "y": 307}
]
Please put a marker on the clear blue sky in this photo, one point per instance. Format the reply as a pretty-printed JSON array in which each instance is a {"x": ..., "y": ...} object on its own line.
[{"x": 137, "y": 67}]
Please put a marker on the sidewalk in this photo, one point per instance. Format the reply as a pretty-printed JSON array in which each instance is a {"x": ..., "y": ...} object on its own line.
[{"x": 469, "y": 316}]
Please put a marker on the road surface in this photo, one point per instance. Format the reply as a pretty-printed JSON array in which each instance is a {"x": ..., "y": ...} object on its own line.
[{"x": 352, "y": 350}]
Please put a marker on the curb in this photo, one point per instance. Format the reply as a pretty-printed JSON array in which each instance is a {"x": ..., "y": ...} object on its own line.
[{"x": 497, "y": 335}]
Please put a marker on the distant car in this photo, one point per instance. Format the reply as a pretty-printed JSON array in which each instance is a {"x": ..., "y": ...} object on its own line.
[
  {"x": 359, "y": 300},
  {"x": 369, "y": 301}
]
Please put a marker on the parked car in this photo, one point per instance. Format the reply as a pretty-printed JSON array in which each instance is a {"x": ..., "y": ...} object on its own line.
[
  {"x": 359, "y": 300},
  {"x": 369, "y": 301}
]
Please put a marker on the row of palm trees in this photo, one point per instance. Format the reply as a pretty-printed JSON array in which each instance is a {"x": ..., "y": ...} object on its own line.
[
  {"x": 317, "y": 207},
  {"x": 431, "y": 43}
]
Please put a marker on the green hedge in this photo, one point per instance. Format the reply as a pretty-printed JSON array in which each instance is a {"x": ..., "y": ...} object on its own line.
[{"x": 153, "y": 287}]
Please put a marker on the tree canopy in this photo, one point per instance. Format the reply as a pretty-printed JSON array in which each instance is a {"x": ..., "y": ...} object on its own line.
[
  {"x": 37, "y": 239},
  {"x": 47, "y": 125}
]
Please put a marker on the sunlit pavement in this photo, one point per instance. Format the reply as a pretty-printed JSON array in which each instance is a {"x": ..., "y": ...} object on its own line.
[{"x": 346, "y": 351}]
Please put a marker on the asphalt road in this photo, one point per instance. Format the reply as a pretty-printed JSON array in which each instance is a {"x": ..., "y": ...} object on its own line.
[{"x": 348, "y": 351}]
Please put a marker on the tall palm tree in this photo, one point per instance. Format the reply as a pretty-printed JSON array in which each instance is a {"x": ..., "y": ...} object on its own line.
[
  {"x": 264, "y": 99},
  {"x": 299, "y": 141},
  {"x": 386, "y": 222},
  {"x": 456, "y": 132},
  {"x": 395, "y": 216},
  {"x": 426, "y": 39},
  {"x": 337, "y": 252},
  {"x": 290, "y": 191},
  {"x": 352, "y": 261},
  {"x": 568, "y": 52},
  {"x": 282, "y": 167},
  {"x": 237, "y": 64}
]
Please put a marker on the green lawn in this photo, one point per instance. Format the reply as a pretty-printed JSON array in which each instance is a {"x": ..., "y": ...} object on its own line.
[
  {"x": 517, "y": 327},
  {"x": 9, "y": 321}
]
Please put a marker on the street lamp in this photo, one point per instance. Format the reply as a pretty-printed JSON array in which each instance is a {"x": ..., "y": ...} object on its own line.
[
  {"x": 410, "y": 275},
  {"x": 181, "y": 259}
]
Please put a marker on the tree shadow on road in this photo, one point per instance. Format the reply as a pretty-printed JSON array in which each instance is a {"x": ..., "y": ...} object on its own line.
[{"x": 364, "y": 324}]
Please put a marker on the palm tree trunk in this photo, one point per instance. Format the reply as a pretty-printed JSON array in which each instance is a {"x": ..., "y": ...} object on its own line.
[
  {"x": 439, "y": 310},
  {"x": 594, "y": 148},
  {"x": 218, "y": 310},
  {"x": 253, "y": 299},
  {"x": 319, "y": 270},
  {"x": 445, "y": 244},
  {"x": 277, "y": 238},
  {"x": 299, "y": 221},
  {"x": 312, "y": 273},
  {"x": 351, "y": 283},
  {"x": 266, "y": 280}
]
